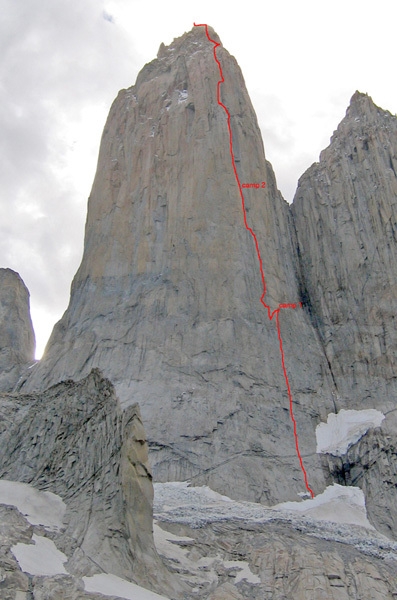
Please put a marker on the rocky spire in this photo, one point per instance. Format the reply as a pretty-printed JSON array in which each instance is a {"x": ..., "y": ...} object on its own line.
[
  {"x": 17, "y": 340},
  {"x": 345, "y": 211},
  {"x": 166, "y": 301}
]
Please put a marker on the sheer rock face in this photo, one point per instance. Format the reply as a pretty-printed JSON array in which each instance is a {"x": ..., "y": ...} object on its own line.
[
  {"x": 166, "y": 301},
  {"x": 17, "y": 341},
  {"x": 345, "y": 211},
  {"x": 75, "y": 441}
]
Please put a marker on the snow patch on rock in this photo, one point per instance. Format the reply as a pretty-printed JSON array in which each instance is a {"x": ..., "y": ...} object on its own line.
[
  {"x": 344, "y": 429},
  {"x": 244, "y": 571},
  {"x": 41, "y": 558},
  {"x": 39, "y": 508},
  {"x": 338, "y": 514},
  {"x": 338, "y": 504},
  {"x": 198, "y": 505},
  {"x": 182, "y": 96},
  {"x": 182, "y": 490},
  {"x": 167, "y": 544}
]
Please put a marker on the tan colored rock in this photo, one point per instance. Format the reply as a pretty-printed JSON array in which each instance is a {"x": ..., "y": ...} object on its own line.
[{"x": 137, "y": 487}]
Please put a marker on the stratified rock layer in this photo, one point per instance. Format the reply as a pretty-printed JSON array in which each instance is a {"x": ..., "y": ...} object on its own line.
[
  {"x": 17, "y": 340},
  {"x": 286, "y": 563},
  {"x": 166, "y": 301}
]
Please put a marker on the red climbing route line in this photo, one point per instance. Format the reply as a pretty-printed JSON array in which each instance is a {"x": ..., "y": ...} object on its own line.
[{"x": 276, "y": 311}]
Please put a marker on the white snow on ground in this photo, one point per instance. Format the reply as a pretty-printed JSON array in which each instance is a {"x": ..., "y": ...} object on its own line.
[
  {"x": 207, "y": 492},
  {"x": 180, "y": 490},
  {"x": 182, "y": 96},
  {"x": 244, "y": 573},
  {"x": 40, "y": 558},
  {"x": 338, "y": 514},
  {"x": 344, "y": 429},
  {"x": 110, "y": 585},
  {"x": 161, "y": 536},
  {"x": 39, "y": 508},
  {"x": 338, "y": 503}
]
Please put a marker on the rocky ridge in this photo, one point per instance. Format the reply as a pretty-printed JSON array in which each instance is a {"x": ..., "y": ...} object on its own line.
[{"x": 345, "y": 217}]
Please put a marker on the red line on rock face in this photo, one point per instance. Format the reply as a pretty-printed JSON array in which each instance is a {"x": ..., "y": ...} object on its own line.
[{"x": 270, "y": 313}]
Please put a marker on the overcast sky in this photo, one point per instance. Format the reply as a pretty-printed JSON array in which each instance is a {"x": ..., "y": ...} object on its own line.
[{"x": 63, "y": 62}]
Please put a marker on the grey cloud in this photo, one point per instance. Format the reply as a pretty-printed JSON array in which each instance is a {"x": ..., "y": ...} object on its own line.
[
  {"x": 108, "y": 17},
  {"x": 57, "y": 58}
]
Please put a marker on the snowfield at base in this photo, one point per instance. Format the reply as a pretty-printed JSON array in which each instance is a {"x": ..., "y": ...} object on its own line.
[
  {"x": 111, "y": 585},
  {"x": 344, "y": 429},
  {"x": 39, "y": 508},
  {"x": 337, "y": 514},
  {"x": 338, "y": 503},
  {"x": 40, "y": 558}
]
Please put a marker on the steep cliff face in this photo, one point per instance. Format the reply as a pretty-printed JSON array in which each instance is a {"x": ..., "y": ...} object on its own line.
[
  {"x": 167, "y": 298},
  {"x": 345, "y": 211},
  {"x": 17, "y": 340}
]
